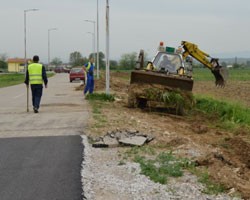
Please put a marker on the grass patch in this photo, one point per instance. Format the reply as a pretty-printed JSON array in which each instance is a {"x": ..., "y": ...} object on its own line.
[
  {"x": 100, "y": 119},
  {"x": 230, "y": 115},
  {"x": 14, "y": 79},
  {"x": 210, "y": 187},
  {"x": 204, "y": 74},
  {"x": 165, "y": 165},
  {"x": 100, "y": 97},
  {"x": 11, "y": 79},
  {"x": 97, "y": 101}
]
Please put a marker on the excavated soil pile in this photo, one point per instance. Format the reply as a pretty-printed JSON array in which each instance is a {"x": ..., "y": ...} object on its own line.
[
  {"x": 118, "y": 82},
  {"x": 159, "y": 96}
]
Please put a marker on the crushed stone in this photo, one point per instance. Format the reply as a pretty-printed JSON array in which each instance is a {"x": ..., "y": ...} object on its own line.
[{"x": 105, "y": 178}]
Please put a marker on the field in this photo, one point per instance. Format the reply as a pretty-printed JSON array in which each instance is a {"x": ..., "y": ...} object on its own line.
[
  {"x": 13, "y": 79},
  {"x": 217, "y": 145}
]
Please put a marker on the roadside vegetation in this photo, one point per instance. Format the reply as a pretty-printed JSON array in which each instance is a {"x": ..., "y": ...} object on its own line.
[
  {"x": 97, "y": 102},
  {"x": 203, "y": 74},
  {"x": 158, "y": 161},
  {"x": 160, "y": 167},
  {"x": 14, "y": 79},
  {"x": 230, "y": 115}
]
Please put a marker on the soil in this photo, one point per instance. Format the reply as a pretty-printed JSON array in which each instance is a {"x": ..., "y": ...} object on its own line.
[{"x": 224, "y": 154}]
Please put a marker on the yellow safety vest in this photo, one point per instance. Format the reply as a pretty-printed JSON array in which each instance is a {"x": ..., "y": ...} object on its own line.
[
  {"x": 88, "y": 67},
  {"x": 35, "y": 73}
]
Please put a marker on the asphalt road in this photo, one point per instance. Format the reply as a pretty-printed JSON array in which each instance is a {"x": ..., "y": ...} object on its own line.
[{"x": 41, "y": 154}]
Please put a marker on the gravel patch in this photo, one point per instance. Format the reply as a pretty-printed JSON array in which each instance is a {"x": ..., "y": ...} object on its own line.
[{"x": 103, "y": 178}]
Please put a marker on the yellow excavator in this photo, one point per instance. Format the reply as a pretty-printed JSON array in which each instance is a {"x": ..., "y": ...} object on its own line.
[
  {"x": 220, "y": 73},
  {"x": 171, "y": 68},
  {"x": 177, "y": 71}
]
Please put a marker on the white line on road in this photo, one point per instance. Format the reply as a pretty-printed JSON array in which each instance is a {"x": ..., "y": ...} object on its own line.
[{"x": 20, "y": 95}]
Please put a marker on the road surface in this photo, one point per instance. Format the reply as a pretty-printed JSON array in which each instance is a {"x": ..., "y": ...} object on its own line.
[{"x": 41, "y": 154}]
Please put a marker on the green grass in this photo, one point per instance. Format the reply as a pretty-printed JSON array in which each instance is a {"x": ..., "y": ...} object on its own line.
[
  {"x": 230, "y": 115},
  {"x": 14, "y": 79},
  {"x": 165, "y": 165},
  {"x": 210, "y": 186},
  {"x": 100, "y": 97},
  {"x": 97, "y": 102},
  {"x": 204, "y": 74},
  {"x": 11, "y": 79}
]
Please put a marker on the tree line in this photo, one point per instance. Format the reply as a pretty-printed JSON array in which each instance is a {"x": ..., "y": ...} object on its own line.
[{"x": 126, "y": 62}]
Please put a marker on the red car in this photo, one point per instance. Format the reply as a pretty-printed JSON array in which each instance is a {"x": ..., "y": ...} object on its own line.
[
  {"x": 61, "y": 70},
  {"x": 77, "y": 73}
]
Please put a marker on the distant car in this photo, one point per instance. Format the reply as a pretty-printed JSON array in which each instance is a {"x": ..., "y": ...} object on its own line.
[
  {"x": 61, "y": 70},
  {"x": 77, "y": 73}
]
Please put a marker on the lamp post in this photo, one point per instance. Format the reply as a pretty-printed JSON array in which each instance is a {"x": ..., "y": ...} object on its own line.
[
  {"x": 97, "y": 39},
  {"x": 51, "y": 29},
  {"x": 93, "y": 40},
  {"x": 107, "y": 47},
  {"x": 96, "y": 61},
  {"x": 25, "y": 51}
]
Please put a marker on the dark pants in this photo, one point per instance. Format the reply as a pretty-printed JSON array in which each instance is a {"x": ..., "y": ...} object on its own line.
[
  {"x": 37, "y": 91},
  {"x": 90, "y": 85}
]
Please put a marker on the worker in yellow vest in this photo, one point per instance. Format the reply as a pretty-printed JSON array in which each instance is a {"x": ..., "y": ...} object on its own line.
[
  {"x": 89, "y": 68},
  {"x": 36, "y": 76}
]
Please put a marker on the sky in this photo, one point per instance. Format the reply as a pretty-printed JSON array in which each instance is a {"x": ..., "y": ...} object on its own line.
[{"x": 218, "y": 27}]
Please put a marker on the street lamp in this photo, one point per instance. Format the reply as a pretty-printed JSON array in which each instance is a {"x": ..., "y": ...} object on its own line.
[
  {"x": 25, "y": 48},
  {"x": 91, "y": 21},
  {"x": 93, "y": 40},
  {"x": 25, "y": 51},
  {"x": 51, "y": 29},
  {"x": 97, "y": 38},
  {"x": 107, "y": 46}
]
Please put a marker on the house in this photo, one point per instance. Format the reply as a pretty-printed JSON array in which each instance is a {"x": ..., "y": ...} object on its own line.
[{"x": 16, "y": 64}]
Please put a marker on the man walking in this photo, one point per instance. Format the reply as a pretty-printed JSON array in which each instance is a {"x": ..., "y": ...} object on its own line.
[
  {"x": 36, "y": 76},
  {"x": 89, "y": 68}
]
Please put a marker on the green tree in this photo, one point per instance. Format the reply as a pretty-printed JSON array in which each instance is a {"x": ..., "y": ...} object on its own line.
[
  {"x": 102, "y": 63},
  {"x": 3, "y": 63},
  {"x": 113, "y": 64},
  {"x": 76, "y": 59},
  {"x": 128, "y": 61},
  {"x": 56, "y": 62}
]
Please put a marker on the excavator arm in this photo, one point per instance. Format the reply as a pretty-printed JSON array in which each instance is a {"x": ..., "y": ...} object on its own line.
[{"x": 218, "y": 71}]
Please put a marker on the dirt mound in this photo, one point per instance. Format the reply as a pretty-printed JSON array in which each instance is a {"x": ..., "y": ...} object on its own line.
[
  {"x": 118, "y": 82},
  {"x": 159, "y": 96}
]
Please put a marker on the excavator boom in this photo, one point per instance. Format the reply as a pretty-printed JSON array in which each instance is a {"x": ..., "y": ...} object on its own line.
[{"x": 218, "y": 71}]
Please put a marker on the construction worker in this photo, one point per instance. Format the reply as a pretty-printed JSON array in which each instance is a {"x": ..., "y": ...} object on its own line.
[
  {"x": 36, "y": 76},
  {"x": 89, "y": 68}
]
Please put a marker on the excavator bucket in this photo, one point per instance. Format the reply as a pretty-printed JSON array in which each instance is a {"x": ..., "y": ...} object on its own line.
[
  {"x": 220, "y": 73},
  {"x": 171, "y": 81}
]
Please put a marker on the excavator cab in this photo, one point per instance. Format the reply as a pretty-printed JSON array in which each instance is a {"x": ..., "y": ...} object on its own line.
[
  {"x": 168, "y": 62},
  {"x": 166, "y": 68}
]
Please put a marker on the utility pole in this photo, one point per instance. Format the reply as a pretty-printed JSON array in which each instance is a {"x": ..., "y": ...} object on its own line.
[
  {"x": 97, "y": 38},
  {"x": 94, "y": 52},
  {"x": 107, "y": 47},
  {"x": 51, "y": 29},
  {"x": 25, "y": 52}
]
